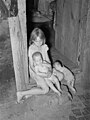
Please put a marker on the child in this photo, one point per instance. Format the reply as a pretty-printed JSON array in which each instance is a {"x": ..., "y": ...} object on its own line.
[
  {"x": 37, "y": 44},
  {"x": 41, "y": 66},
  {"x": 68, "y": 75}
]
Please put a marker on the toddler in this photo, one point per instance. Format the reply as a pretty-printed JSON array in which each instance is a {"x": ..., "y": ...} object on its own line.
[{"x": 68, "y": 75}]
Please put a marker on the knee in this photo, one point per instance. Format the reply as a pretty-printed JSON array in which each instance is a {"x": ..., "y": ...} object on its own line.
[
  {"x": 70, "y": 83},
  {"x": 46, "y": 90},
  {"x": 61, "y": 76}
]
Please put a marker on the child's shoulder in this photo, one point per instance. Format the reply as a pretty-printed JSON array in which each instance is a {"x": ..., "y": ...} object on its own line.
[
  {"x": 45, "y": 46},
  {"x": 32, "y": 47}
]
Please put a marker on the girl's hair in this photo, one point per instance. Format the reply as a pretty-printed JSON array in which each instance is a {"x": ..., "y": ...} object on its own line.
[{"x": 37, "y": 32}]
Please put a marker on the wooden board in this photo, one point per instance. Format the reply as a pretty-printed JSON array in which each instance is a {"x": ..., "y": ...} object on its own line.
[{"x": 18, "y": 35}]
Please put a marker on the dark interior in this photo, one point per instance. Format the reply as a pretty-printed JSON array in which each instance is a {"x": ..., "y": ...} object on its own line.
[{"x": 46, "y": 26}]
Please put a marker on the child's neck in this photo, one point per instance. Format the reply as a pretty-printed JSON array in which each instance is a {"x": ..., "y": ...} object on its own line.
[{"x": 37, "y": 45}]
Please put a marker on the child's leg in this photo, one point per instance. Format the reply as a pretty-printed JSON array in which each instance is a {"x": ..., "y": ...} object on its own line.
[
  {"x": 50, "y": 84},
  {"x": 70, "y": 84},
  {"x": 42, "y": 89},
  {"x": 56, "y": 81},
  {"x": 60, "y": 75}
]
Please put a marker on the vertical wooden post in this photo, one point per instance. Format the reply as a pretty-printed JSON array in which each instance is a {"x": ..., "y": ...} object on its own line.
[
  {"x": 22, "y": 19},
  {"x": 17, "y": 26}
]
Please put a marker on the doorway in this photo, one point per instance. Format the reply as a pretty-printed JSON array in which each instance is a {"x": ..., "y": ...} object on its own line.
[{"x": 43, "y": 21}]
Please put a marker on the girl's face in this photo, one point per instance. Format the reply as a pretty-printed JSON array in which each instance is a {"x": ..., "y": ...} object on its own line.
[{"x": 38, "y": 42}]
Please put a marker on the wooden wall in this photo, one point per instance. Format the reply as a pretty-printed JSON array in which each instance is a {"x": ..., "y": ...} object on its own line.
[
  {"x": 73, "y": 33},
  {"x": 85, "y": 55},
  {"x": 67, "y": 27}
]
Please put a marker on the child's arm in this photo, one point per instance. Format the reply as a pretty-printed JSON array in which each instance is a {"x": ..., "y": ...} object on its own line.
[
  {"x": 40, "y": 73},
  {"x": 30, "y": 52},
  {"x": 45, "y": 75},
  {"x": 47, "y": 64},
  {"x": 47, "y": 58},
  {"x": 46, "y": 53}
]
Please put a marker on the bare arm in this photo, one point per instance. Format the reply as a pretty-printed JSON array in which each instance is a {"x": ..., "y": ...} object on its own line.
[
  {"x": 47, "y": 58},
  {"x": 40, "y": 72},
  {"x": 47, "y": 64},
  {"x": 46, "y": 54},
  {"x": 30, "y": 52}
]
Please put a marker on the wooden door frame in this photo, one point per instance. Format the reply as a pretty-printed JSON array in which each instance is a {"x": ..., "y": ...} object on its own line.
[{"x": 18, "y": 36}]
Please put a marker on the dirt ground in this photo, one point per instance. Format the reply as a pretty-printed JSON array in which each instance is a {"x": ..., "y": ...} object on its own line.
[{"x": 42, "y": 107}]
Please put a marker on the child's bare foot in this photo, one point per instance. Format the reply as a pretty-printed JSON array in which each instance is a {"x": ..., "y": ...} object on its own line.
[
  {"x": 74, "y": 90},
  {"x": 27, "y": 96},
  {"x": 70, "y": 96},
  {"x": 19, "y": 97},
  {"x": 59, "y": 93}
]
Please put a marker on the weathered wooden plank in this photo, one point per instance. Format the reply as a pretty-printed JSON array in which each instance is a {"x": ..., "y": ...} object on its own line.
[
  {"x": 22, "y": 20},
  {"x": 18, "y": 34},
  {"x": 86, "y": 51},
  {"x": 86, "y": 68},
  {"x": 67, "y": 28},
  {"x": 82, "y": 33},
  {"x": 18, "y": 51}
]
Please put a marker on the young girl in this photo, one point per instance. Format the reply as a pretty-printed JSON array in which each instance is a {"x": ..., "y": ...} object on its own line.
[{"x": 37, "y": 44}]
